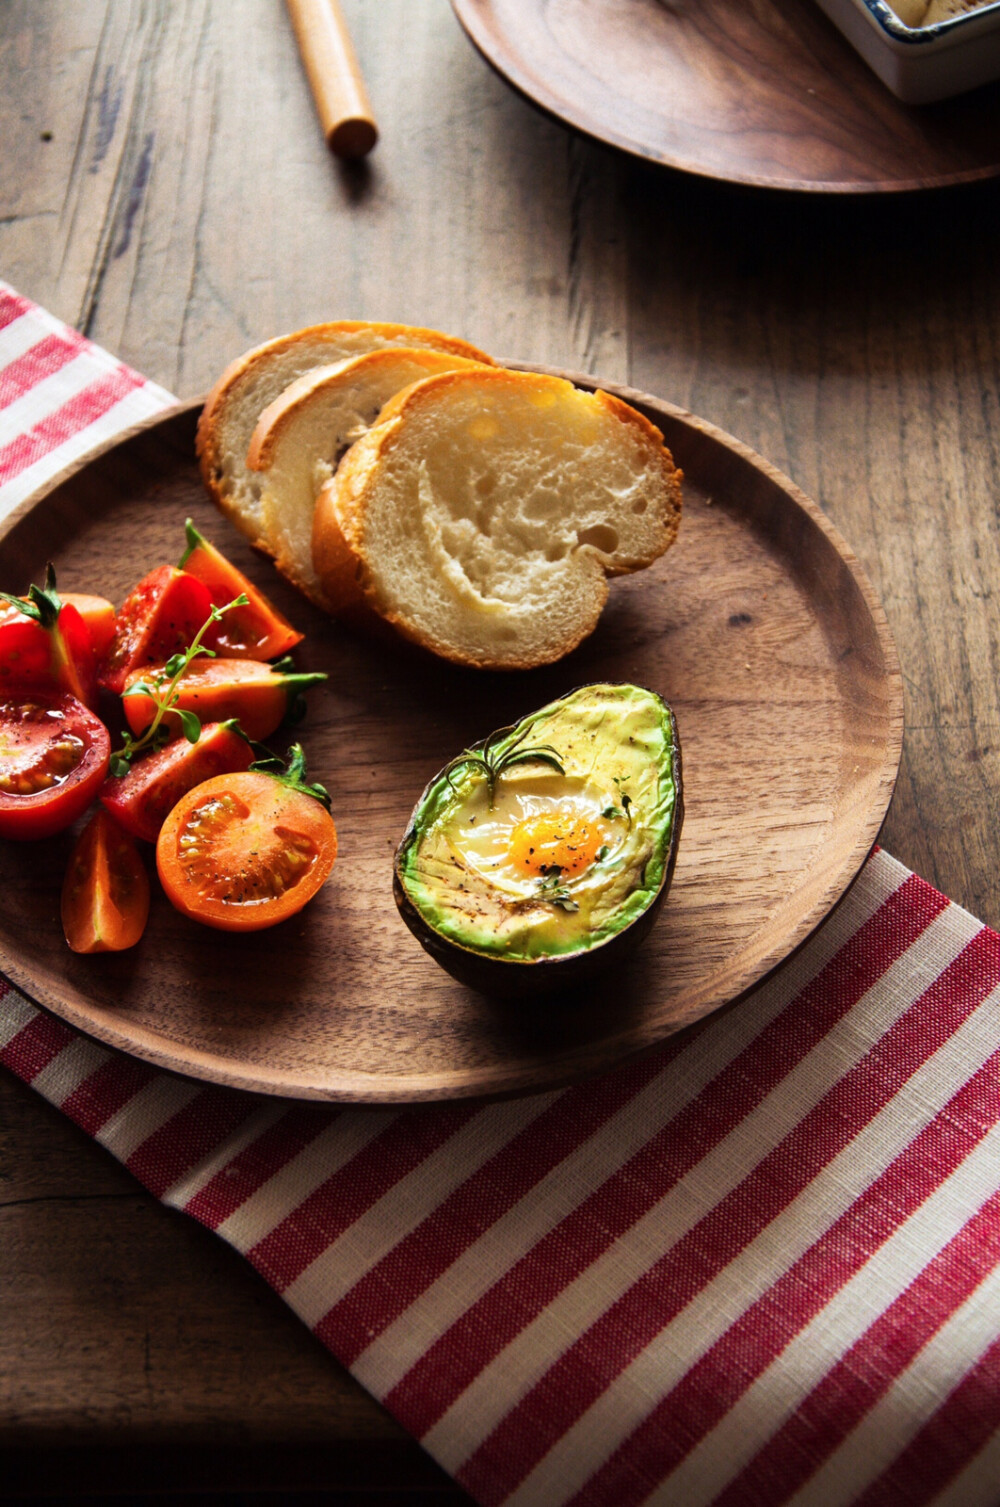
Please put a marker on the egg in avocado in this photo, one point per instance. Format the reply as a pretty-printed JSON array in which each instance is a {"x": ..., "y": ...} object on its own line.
[{"x": 542, "y": 854}]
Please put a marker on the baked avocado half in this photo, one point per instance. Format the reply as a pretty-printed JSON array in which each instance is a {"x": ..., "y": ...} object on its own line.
[{"x": 542, "y": 854}]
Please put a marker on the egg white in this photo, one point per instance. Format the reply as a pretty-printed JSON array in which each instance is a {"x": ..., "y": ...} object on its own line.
[{"x": 480, "y": 838}]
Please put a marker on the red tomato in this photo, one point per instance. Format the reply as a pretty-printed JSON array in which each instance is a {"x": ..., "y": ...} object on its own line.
[
  {"x": 99, "y": 616},
  {"x": 105, "y": 896},
  {"x": 257, "y": 695},
  {"x": 245, "y": 851},
  {"x": 160, "y": 616},
  {"x": 141, "y": 800},
  {"x": 256, "y": 631},
  {"x": 45, "y": 645},
  {"x": 54, "y": 755}
]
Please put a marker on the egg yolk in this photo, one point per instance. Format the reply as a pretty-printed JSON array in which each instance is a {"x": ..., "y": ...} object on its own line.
[{"x": 561, "y": 840}]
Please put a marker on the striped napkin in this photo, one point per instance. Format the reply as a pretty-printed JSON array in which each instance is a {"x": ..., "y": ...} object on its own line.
[{"x": 760, "y": 1265}]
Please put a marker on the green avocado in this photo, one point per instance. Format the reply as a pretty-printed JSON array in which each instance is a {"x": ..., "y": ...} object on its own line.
[{"x": 542, "y": 853}]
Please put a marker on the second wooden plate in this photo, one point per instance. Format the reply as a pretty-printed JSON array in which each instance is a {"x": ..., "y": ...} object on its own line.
[
  {"x": 758, "y": 627},
  {"x": 765, "y": 93}
]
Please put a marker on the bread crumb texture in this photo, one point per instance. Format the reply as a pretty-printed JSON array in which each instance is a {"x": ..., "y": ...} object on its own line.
[
  {"x": 487, "y": 510},
  {"x": 259, "y": 376}
]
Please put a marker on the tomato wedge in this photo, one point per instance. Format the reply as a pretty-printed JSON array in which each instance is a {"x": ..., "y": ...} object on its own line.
[
  {"x": 54, "y": 755},
  {"x": 245, "y": 851},
  {"x": 159, "y": 616},
  {"x": 105, "y": 897},
  {"x": 257, "y": 695},
  {"x": 255, "y": 631},
  {"x": 141, "y": 800},
  {"x": 45, "y": 644},
  {"x": 99, "y": 616}
]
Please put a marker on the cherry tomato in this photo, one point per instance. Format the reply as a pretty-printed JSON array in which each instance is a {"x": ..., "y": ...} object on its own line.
[
  {"x": 159, "y": 616},
  {"x": 54, "y": 755},
  {"x": 256, "y": 631},
  {"x": 45, "y": 644},
  {"x": 105, "y": 897},
  {"x": 141, "y": 800},
  {"x": 257, "y": 695},
  {"x": 245, "y": 851},
  {"x": 99, "y": 616}
]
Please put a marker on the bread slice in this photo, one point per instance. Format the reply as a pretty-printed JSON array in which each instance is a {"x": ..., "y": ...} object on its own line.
[
  {"x": 255, "y": 379},
  {"x": 483, "y": 513},
  {"x": 301, "y": 436}
]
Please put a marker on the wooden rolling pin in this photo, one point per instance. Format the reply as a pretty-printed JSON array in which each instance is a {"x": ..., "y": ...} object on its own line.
[{"x": 334, "y": 76}]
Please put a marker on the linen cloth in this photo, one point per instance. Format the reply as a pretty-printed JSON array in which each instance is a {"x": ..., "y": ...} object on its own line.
[{"x": 759, "y": 1265}]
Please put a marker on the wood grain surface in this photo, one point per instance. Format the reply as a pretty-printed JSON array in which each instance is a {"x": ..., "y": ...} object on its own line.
[
  {"x": 164, "y": 186},
  {"x": 757, "y": 628},
  {"x": 765, "y": 93}
]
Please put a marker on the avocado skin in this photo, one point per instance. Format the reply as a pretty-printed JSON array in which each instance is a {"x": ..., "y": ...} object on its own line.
[{"x": 517, "y": 979}]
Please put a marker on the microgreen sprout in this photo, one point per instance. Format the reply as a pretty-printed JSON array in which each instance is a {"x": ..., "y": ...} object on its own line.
[
  {"x": 164, "y": 694},
  {"x": 615, "y": 813},
  {"x": 493, "y": 760},
  {"x": 552, "y": 889}
]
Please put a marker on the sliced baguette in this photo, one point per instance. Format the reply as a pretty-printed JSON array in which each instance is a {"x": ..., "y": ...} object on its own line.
[
  {"x": 300, "y": 437},
  {"x": 255, "y": 379},
  {"x": 483, "y": 513}
]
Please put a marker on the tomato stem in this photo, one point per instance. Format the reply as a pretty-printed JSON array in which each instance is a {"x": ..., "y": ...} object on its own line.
[
  {"x": 43, "y": 603},
  {"x": 292, "y": 774},
  {"x": 194, "y": 539}
]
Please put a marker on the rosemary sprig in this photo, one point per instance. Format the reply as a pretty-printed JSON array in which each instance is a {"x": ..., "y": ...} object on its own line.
[
  {"x": 165, "y": 693},
  {"x": 494, "y": 761}
]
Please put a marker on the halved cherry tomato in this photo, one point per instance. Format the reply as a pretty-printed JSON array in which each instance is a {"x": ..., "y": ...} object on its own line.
[
  {"x": 54, "y": 755},
  {"x": 105, "y": 897},
  {"x": 99, "y": 616},
  {"x": 141, "y": 800},
  {"x": 45, "y": 644},
  {"x": 158, "y": 617},
  {"x": 257, "y": 695},
  {"x": 256, "y": 631},
  {"x": 245, "y": 851}
]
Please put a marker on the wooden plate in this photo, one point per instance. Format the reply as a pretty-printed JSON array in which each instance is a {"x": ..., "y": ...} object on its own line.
[
  {"x": 764, "y": 92},
  {"x": 758, "y": 627}
]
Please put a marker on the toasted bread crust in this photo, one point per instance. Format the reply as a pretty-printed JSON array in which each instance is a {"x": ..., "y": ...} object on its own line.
[
  {"x": 208, "y": 439},
  {"x": 303, "y": 434},
  {"x": 277, "y": 416},
  {"x": 340, "y": 570}
]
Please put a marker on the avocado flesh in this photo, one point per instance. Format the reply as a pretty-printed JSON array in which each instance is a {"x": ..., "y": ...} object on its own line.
[{"x": 618, "y": 748}]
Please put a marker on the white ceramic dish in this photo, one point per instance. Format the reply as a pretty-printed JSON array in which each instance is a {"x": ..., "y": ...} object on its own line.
[{"x": 922, "y": 63}]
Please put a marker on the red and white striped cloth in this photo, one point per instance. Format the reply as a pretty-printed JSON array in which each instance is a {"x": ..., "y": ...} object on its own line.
[{"x": 760, "y": 1265}]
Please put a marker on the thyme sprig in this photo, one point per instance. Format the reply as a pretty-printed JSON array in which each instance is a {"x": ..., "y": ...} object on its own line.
[
  {"x": 493, "y": 760},
  {"x": 164, "y": 694}
]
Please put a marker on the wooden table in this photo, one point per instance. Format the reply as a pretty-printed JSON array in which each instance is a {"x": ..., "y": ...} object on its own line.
[{"x": 164, "y": 187}]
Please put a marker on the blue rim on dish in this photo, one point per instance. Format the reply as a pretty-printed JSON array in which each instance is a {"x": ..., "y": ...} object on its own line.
[{"x": 882, "y": 13}]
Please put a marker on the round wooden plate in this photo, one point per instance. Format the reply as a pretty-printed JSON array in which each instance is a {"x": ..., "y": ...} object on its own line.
[
  {"x": 758, "y": 627},
  {"x": 763, "y": 92}
]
